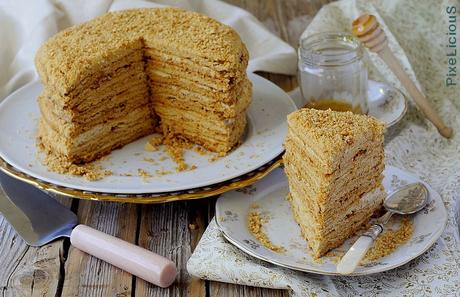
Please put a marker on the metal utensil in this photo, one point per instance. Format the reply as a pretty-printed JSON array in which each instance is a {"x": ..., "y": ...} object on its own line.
[
  {"x": 39, "y": 219},
  {"x": 406, "y": 200}
]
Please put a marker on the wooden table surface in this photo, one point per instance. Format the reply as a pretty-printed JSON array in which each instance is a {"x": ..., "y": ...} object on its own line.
[{"x": 171, "y": 229}]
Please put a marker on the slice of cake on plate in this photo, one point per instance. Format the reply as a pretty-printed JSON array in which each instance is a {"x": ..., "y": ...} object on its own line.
[{"x": 334, "y": 163}]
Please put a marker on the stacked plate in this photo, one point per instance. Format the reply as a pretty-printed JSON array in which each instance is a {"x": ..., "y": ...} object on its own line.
[{"x": 258, "y": 154}]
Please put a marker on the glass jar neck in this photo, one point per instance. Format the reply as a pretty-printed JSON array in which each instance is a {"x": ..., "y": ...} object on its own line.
[{"x": 329, "y": 50}]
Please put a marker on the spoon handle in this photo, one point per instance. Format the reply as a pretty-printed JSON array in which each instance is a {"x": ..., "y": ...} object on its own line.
[{"x": 358, "y": 250}]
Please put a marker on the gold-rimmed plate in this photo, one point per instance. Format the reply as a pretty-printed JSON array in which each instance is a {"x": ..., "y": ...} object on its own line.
[
  {"x": 269, "y": 197},
  {"x": 137, "y": 171},
  {"x": 147, "y": 198}
]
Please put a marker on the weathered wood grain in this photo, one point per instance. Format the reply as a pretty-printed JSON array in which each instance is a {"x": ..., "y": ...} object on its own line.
[
  {"x": 231, "y": 290},
  {"x": 29, "y": 271},
  {"x": 85, "y": 275},
  {"x": 12, "y": 250},
  {"x": 173, "y": 230},
  {"x": 38, "y": 272}
]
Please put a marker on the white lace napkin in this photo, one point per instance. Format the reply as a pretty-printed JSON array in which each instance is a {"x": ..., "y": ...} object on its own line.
[
  {"x": 25, "y": 25},
  {"x": 417, "y": 34}
]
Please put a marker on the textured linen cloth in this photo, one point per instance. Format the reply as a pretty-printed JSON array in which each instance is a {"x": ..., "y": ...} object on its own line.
[
  {"x": 416, "y": 32},
  {"x": 25, "y": 25}
]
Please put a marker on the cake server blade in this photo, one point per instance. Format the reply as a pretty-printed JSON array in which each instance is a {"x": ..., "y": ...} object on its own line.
[
  {"x": 35, "y": 216},
  {"x": 39, "y": 219}
]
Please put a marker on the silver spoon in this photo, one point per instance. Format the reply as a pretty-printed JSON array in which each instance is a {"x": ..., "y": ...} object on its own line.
[{"x": 406, "y": 200}]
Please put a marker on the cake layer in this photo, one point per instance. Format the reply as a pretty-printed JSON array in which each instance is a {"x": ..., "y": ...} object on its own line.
[
  {"x": 306, "y": 148},
  {"x": 351, "y": 220},
  {"x": 210, "y": 132},
  {"x": 335, "y": 192},
  {"x": 108, "y": 106},
  {"x": 325, "y": 214},
  {"x": 99, "y": 140},
  {"x": 118, "y": 80},
  {"x": 233, "y": 59},
  {"x": 111, "y": 70},
  {"x": 341, "y": 216},
  {"x": 204, "y": 68},
  {"x": 208, "y": 120},
  {"x": 331, "y": 138},
  {"x": 332, "y": 185},
  {"x": 193, "y": 101},
  {"x": 193, "y": 74},
  {"x": 229, "y": 96},
  {"x": 85, "y": 121}
]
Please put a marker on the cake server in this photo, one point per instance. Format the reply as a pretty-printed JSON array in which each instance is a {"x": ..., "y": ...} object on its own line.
[
  {"x": 39, "y": 219},
  {"x": 406, "y": 200}
]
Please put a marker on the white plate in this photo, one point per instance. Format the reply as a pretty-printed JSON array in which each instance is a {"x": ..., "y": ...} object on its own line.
[
  {"x": 270, "y": 193},
  {"x": 263, "y": 141},
  {"x": 385, "y": 102}
]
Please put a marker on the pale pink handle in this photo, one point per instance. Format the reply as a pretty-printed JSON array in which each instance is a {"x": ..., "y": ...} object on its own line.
[{"x": 138, "y": 261}]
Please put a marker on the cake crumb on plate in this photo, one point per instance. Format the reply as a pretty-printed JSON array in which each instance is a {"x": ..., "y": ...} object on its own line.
[{"x": 255, "y": 226}]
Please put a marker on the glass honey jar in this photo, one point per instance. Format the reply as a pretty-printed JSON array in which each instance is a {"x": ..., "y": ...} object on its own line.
[{"x": 332, "y": 72}]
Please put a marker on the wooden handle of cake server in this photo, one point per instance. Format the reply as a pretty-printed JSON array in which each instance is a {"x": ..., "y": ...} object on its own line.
[{"x": 368, "y": 31}]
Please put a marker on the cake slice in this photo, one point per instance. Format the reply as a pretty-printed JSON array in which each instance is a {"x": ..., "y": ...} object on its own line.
[{"x": 334, "y": 163}]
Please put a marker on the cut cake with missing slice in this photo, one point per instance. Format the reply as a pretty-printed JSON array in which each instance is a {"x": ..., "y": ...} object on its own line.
[
  {"x": 334, "y": 163},
  {"x": 127, "y": 74}
]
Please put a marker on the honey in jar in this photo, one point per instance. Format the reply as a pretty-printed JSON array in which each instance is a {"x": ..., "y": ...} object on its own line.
[{"x": 333, "y": 104}]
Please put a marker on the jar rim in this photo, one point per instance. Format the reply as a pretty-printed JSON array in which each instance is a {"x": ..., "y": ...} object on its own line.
[{"x": 312, "y": 49}]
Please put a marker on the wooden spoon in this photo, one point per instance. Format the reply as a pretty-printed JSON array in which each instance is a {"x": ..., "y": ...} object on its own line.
[{"x": 368, "y": 31}]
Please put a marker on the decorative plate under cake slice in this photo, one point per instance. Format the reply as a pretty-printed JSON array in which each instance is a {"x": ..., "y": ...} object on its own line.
[{"x": 269, "y": 195}]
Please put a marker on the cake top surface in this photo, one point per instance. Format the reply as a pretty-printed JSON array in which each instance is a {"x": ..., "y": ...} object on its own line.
[
  {"x": 67, "y": 55},
  {"x": 335, "y": 130}
]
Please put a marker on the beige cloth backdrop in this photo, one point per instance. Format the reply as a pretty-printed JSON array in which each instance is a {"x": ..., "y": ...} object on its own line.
[
  {"x": 25, "y": 25},
  {"x": 417, "y": 35}
]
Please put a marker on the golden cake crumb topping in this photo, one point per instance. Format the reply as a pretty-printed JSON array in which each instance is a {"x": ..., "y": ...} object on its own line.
[
  {"x": 333, "y": 126},
  {"x": 333, "y": 133},
  {"x": 72, "y": 54}
]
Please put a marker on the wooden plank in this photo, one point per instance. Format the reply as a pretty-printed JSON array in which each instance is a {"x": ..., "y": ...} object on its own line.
[
  {"x": 173, "y": 230},
  {"x": 38, "y": 272},
  {"x": 29, "y": 271},
  {"x": 85, "y": 275},
  {"x": 230, "y": 290},
  {"x": 12, "y": 250}
]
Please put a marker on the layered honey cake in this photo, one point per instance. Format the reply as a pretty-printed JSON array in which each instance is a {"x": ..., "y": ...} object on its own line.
[
  {"x": 334, "y": 163},
  {"x": 127, "y": 74}
]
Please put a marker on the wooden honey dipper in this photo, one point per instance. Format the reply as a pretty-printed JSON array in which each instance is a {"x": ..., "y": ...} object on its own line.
[{"x": 367, "y": 30}]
